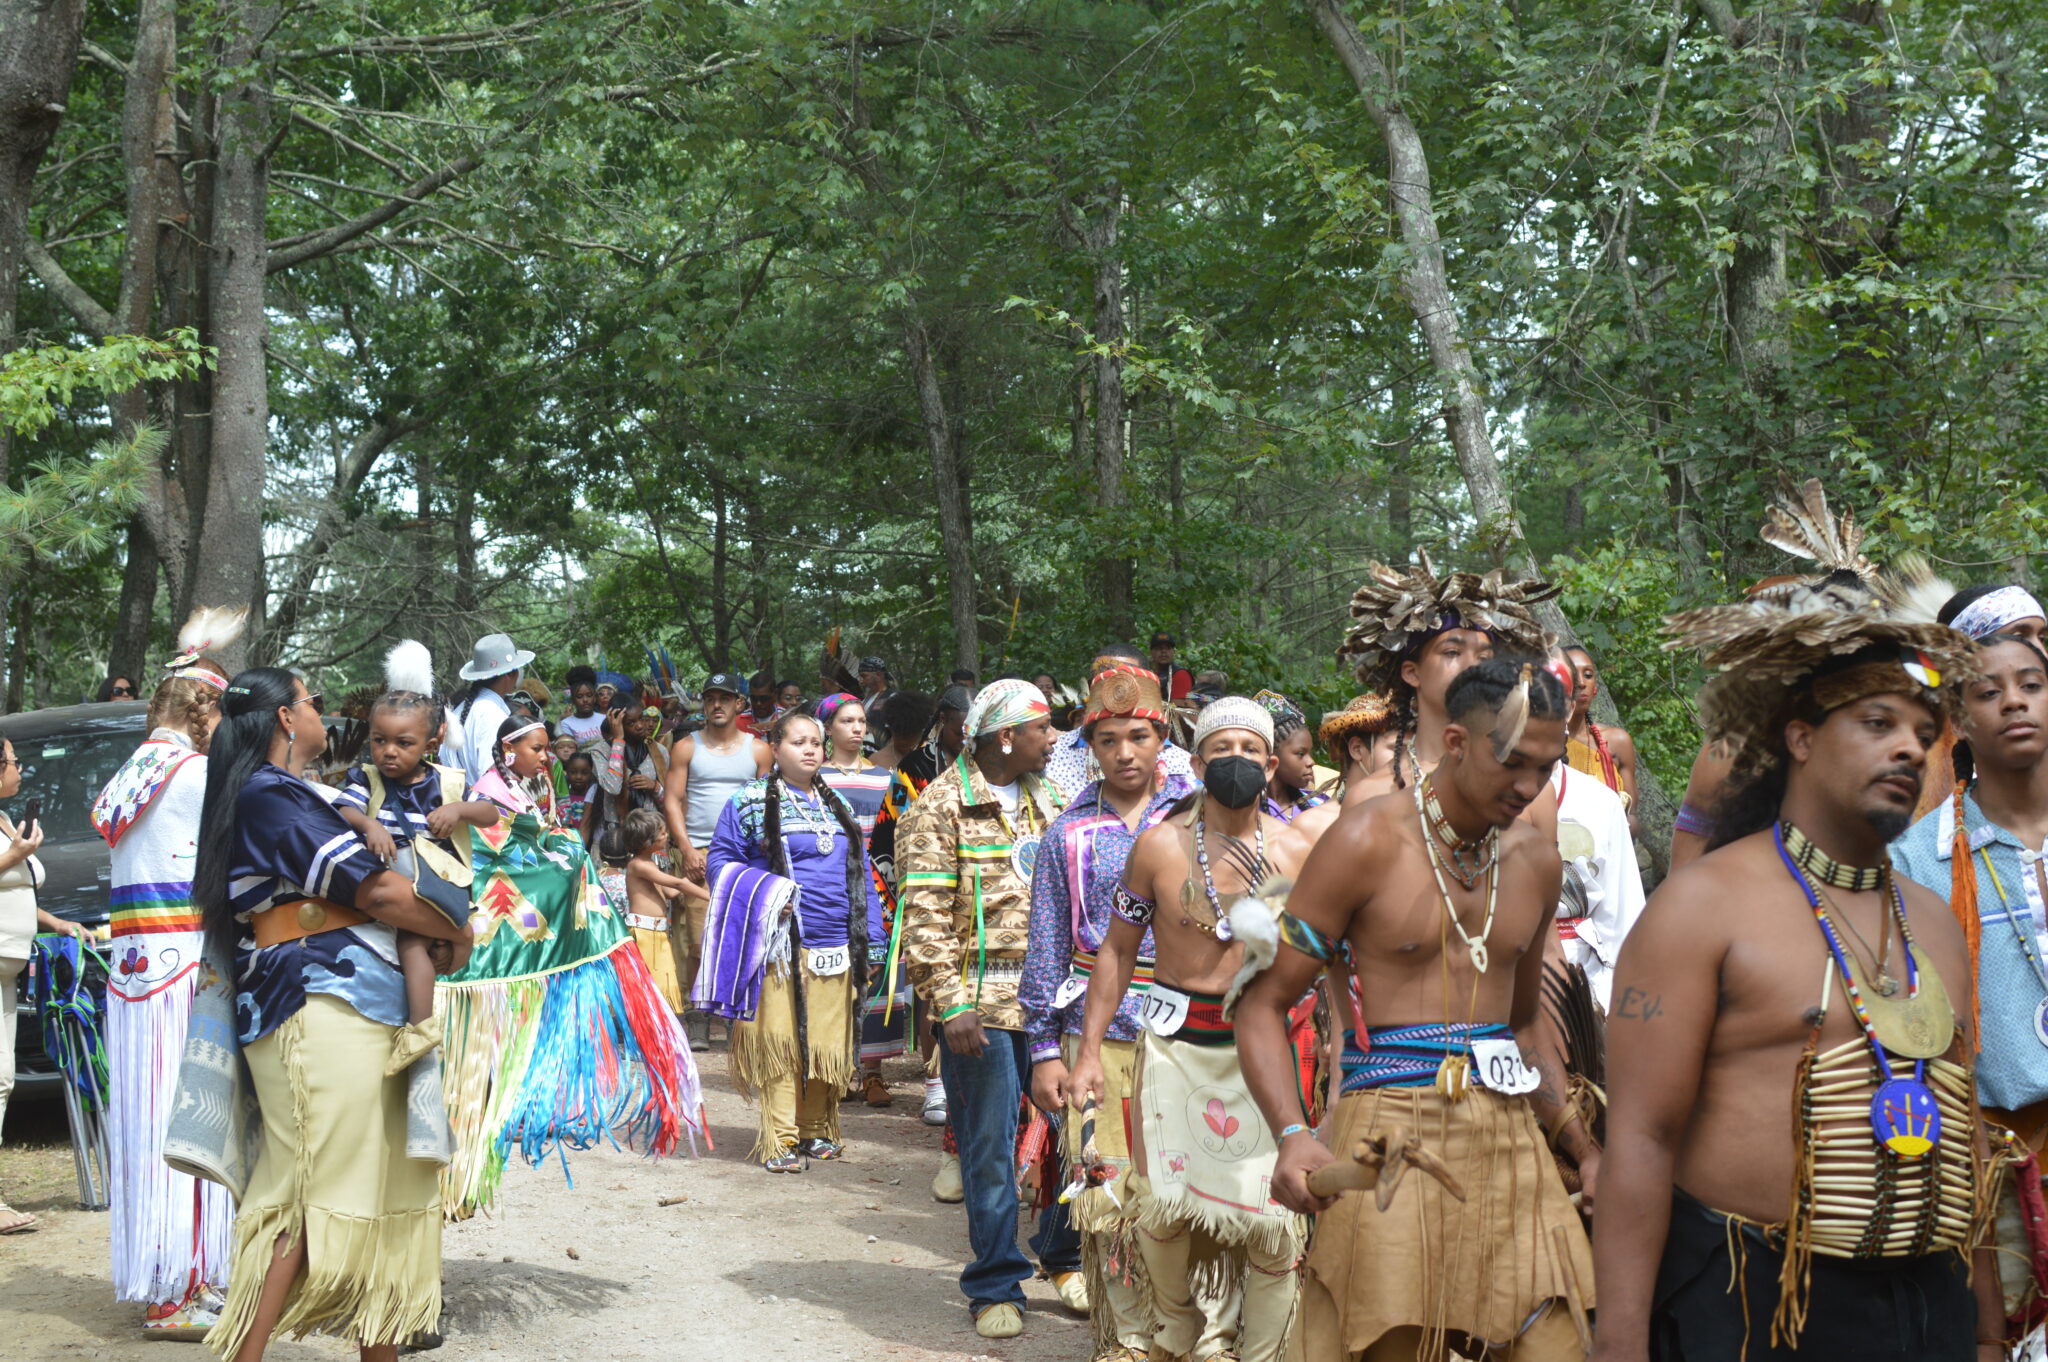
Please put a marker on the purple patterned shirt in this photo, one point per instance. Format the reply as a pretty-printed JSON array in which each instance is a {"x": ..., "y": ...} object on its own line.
[{"x": 1079, "y": 864}]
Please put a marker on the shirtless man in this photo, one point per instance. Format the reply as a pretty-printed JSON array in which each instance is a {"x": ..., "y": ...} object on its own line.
[
  {"x": 1449, "y": 973},
  {"x": 1735, "y": 1044},
  {"x": 1207, "y": 1179},
  {"x": 1414, "y": 633},
  {"x": 1360, "y": 737}
]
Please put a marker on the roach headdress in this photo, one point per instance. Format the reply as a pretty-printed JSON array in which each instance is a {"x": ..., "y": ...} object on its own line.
[
  {"x": 1848, "y": 632},
  {"x": 1394, "y": 613}
]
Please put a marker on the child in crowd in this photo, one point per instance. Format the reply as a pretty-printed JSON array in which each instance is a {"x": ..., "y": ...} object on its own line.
[
  {"x": 649, "y": 892},
  {"x": 585, "y": 722},
  {"x": 579, "y": 782},
  {"x": 402, "y": 795}
]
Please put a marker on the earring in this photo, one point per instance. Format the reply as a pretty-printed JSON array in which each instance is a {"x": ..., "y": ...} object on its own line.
[
  {"x": 291, "y": 738},
  {"x": 1006, "y": 744}
]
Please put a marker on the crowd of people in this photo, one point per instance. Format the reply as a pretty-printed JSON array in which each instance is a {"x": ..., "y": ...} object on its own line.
[{"x": 1187, "y": 968}]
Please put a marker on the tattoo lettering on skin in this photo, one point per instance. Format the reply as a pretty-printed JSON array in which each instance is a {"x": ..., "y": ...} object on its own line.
[{"x": 1639, "y": 1006}]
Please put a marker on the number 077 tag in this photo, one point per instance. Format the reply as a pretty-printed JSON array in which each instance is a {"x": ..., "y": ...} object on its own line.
[{"x": 1498, "y": 1064}]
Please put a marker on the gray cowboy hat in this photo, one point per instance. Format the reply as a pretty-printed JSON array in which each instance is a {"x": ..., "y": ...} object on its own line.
[{"x": 494, "y": 655}]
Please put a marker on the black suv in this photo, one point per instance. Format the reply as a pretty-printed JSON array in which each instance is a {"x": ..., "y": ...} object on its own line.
[{"x": 67, "y": 756}]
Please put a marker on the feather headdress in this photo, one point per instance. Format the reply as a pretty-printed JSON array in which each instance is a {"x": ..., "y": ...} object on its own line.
[
  {"x": 1766, "y": 647},
  {"x": 206, "y": 629},
  {"x": 1395, "y": 612}
]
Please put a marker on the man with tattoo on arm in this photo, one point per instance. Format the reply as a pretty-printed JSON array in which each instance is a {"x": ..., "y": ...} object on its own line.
[
  {"x": 1440, "y": 899},
  {"x": 1791, "y": 1128}
]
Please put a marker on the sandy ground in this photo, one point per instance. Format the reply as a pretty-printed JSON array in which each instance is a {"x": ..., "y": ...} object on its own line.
[{"x": 850, "y": 1260}]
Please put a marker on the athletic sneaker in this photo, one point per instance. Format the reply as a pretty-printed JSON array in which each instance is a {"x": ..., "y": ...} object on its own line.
[
  {"x": 934, "y": 1102},
  {"x": 821, "y": 1149},
  {"x": 788, "y": 1159}
]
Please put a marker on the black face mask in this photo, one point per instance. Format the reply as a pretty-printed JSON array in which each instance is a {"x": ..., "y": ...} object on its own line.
[{"x": 1234, "y": 782}]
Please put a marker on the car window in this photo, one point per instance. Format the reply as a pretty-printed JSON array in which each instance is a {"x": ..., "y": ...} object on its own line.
[{"x": 68, "y": 772}]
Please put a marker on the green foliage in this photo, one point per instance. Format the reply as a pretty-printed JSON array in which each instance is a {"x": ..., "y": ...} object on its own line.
[
  {"x": 36, "y": 380},
  {"x": 69, "y": 508},
  {"x": 653, "y": 348}
]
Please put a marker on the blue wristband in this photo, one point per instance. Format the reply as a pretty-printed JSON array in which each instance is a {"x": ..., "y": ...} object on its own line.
[{"x": 1296, "y": 1129}]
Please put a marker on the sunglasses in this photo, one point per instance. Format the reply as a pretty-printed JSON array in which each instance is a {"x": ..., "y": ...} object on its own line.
[
  {"x": 313, "y": 699},
  {"x": 122, "y": 693}
]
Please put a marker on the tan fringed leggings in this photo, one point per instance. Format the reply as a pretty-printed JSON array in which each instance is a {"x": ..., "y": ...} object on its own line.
[{"x": 1203, "y": 1328}]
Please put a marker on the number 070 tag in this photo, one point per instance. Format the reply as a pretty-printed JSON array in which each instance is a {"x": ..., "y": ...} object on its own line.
[{"x": 1498, "y": 1064}]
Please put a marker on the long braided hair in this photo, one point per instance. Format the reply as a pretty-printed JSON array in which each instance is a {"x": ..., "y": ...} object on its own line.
[
  {"x": 1406, "y": 721},
  {"x": 856, "y": 857}
]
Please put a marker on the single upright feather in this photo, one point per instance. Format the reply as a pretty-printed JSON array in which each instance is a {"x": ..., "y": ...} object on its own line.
[{"x": 1513, "y": 719}]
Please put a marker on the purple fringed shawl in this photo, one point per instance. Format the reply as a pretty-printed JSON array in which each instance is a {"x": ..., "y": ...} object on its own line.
[{"x": 745, "y": 904}]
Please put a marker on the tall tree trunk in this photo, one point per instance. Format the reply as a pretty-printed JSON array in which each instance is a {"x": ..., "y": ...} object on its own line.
[
  {"x": 38, "y": 54},
  {"x": 949, "y": 489},
  {"x": 17, "y": 653},
  {"x": 1426, "y": 286},
  {"x": 1113, "y": 570},
  {"x": 128, "y": 651},
  {"x": 227, "y": 545},
  {"x": 149, "y": 168},
  {"x": 464, "y": 524},
  {"x": 1755, "y": 286},
  {"x": 721, "y": 606}
]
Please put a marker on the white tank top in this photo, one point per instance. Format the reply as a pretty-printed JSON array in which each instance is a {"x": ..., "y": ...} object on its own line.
[{"x": 714, "y": 778}]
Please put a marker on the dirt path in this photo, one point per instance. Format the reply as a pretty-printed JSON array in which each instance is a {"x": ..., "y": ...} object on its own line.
[{"x": 849, "y": 1261}]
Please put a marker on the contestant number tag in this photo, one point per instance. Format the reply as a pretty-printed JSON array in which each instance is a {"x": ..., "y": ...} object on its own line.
[
  {"x": 1071, "y": 987},
  {"x": 1163, "y": 1011},
  {"x": 827, "y": 961},
  {"x": 1498, "y": 1065}
]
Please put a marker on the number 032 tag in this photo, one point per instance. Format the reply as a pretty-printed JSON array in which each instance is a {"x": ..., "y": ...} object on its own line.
[{"x": 1498, "y": 1064}]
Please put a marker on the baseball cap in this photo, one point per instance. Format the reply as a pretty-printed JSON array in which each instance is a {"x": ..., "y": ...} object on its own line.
[
  {"x": 1162, "y": 639},
  {"x": 725, "y": 681}
]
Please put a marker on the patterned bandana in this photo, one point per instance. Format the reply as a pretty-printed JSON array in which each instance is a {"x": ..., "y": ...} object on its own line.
[
  {"x": 1233, "y": 711},
  {"x": 1994, "y": 610},
  {"x": 831, "y": 704},
  {"x": 1124, "y": 691},
  {"x": 1005, "y": 704}
]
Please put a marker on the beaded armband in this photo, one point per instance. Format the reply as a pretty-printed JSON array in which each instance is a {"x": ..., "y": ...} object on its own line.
[
  {"x": 1131, "y": 908},
  {"x": 1695, "y": 820},
  {"x": 1308, "y": 940}
]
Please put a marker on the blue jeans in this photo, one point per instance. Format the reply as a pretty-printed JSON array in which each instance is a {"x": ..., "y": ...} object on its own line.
[{"x": 984, "y": 1097}]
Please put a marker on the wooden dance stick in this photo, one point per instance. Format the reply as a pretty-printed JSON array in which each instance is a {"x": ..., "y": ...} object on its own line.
[{"x": 1379, "y": 1164}]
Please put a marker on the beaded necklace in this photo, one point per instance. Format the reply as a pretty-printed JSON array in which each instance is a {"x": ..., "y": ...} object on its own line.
[
  {"x": 1484, "y": 852},
  {"x": 1903, "y": 1114},
  {"x": 1474, "y": 946},
  {"x": 1221, "y": 928},
  {"x": 1857, "y": 879}
]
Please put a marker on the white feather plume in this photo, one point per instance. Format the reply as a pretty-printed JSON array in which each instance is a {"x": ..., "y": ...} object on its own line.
[
  {"x": 211, "y": 628},
  {"x": 1255, "y": 920},
  {"x": 1915, "y": 593},
  {"x": 409, "y": 666}
]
